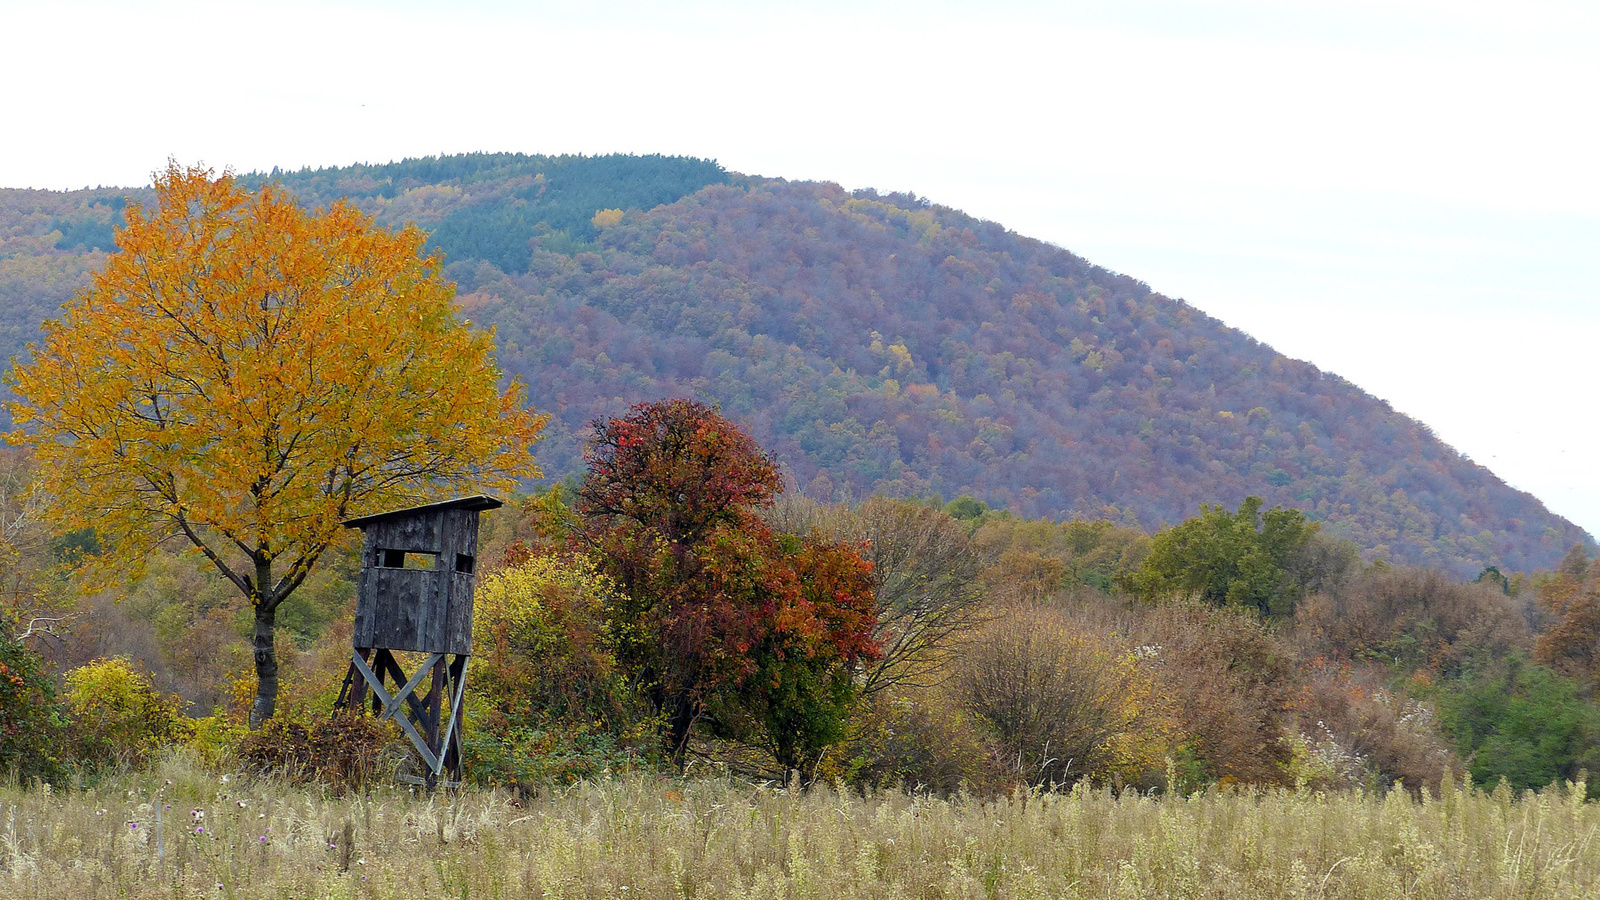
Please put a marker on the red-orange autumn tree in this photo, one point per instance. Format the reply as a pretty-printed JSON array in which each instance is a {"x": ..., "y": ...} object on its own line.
[
  {"x": 718, "y": 617},
  {"x": 807, "y": 665},
  {"x": 245, "y": 374}
]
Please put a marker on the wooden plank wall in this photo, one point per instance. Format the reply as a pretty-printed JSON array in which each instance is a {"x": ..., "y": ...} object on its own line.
[
  {"x": 416, "y": 609},
  {"x": 463, "y": 541}
]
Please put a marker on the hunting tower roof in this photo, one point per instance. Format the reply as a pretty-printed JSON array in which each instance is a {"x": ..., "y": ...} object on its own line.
[{"x": 476, "y": 503}]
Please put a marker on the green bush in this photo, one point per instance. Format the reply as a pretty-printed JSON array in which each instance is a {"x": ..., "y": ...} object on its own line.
[
  {"x": 31, "y": 726},
  {"x": 525, "y": 757},
  {"x": 1246, "y": 558},
  {"x": 1524, "y": 723}
]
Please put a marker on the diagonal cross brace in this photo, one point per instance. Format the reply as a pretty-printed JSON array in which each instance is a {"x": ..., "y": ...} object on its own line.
[
  {"x": 391, "y": 706},
  {"x": 455, "y": 714}
]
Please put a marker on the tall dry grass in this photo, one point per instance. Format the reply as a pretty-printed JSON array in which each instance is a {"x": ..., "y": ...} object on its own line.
[{"x": 652, "y": 838}]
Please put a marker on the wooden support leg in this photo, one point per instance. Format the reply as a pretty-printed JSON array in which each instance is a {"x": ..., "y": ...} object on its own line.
[
  {"x": 431, "y": 714},
  {"x": 436, "y": 689},
  {"x": 385, "y": 667},
  {"x": 353, "y": 693},
  {"x": 350, "y": 678},
  {"x": 456, "y": 689},
  {"x": 359, "y": 688}
]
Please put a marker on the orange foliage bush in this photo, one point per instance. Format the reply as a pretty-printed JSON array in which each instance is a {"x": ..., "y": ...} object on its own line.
[{"x": 1571, "y": 645}]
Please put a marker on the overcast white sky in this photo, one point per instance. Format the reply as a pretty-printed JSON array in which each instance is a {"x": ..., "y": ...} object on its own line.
[{"x": 1404, "y": 192}]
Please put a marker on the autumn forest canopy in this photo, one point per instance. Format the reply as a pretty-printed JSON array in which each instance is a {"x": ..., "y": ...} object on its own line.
[
  {"x": 841, "y": 485},
  {"x": 878, "y": 344}
]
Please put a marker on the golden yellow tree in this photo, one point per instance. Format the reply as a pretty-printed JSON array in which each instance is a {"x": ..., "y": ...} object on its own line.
[{"x": 244, "y": 375}]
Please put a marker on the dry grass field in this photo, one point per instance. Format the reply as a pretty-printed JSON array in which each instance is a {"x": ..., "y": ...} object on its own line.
[{"x": 640, "y": 837}]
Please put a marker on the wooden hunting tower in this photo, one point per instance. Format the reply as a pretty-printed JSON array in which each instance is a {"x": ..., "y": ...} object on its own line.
[{"x": 415, "y": 594}]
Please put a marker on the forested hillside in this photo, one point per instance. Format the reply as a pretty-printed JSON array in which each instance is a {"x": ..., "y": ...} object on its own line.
[{"x": 879, "y": 344}]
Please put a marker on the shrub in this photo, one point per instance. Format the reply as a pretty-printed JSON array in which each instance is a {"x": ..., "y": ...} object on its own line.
[
  {"x": 118, "y": 717},
  {"x": 1060, "y": 702},
  {"x": 1035, "y": 560},
  {"x": 525, "y": 757},
  {"x": 1363, "y": 733},
  {"x": 342, "y": 753},
  {"x": 914, "y": 737},
  {"x": 1523, "y": 722},
  {"x": 542, "y": 646},
  {"x": 1571, "y": 645},
  {"x": 1413, "y": 619},
  {"x": 216, "y": 738},
  {"x": 31, "y": 726},
  {"x": 1228, "y": 684},
  {"x": 546, "y": 700}
]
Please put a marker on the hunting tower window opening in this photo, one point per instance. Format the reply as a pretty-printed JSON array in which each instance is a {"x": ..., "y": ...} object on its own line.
[
  {"x": 464, "y": 563},
  {"x": 408, "y": 559}
]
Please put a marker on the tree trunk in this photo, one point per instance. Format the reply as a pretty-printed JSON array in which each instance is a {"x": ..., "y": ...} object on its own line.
[
  {"x": 681, "y": 715},
  {"x": 266, "y": 653},
  {"x": 786, "y": 752}
]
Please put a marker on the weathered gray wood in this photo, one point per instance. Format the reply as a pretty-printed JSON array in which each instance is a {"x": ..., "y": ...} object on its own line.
[
  {"x": 390, "y": 702},
  {"x": 420, "y": 533},
  {"x": 430, "y": 701},
  {"x": 401, "y": 606},
  {"x": 405, "y": 610},
  {"x": 451, "y": 757},
  {"x": 412, "y": 609},
  {"x": 386, "y": 664},
  {"x": 457, "y": 633}
]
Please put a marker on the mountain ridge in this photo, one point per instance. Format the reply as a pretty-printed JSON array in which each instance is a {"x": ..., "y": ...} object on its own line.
[{"x": 881, "y": 343}]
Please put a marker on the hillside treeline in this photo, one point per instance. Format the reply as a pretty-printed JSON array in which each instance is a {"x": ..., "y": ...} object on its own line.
[
  {"x": 881, "y": 345},
  {"x": 978, "y": 651}
]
